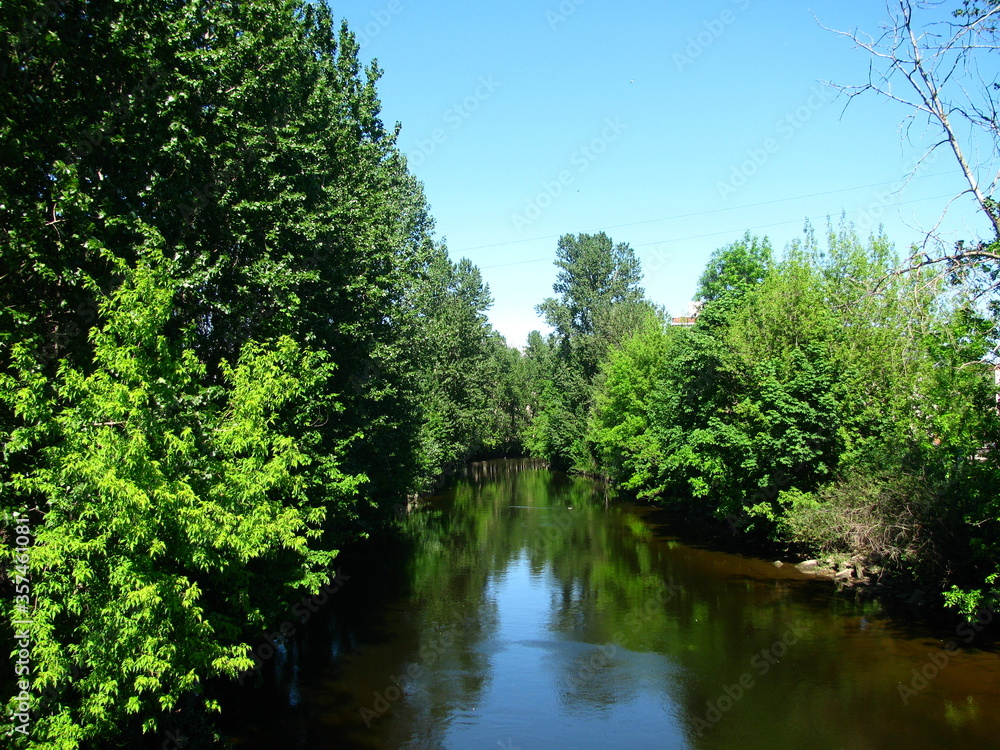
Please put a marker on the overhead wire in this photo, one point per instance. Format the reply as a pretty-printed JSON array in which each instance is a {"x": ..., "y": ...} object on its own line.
[
  {"x": 712, "y": 211},
  {"x": 716, "y": 234}
]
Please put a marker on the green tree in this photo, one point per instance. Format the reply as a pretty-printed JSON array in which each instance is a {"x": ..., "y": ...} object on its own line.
[
  {"x": 170, "y": 513},
  {"x": 595, "y": 276},
  {"x": 734, "y": 269},
  {"x": 620, "y": 431},
  {"x": 470, "y": 382},
  {"x": 209, "y": 376},
  {"x": 600, "y": 303}
]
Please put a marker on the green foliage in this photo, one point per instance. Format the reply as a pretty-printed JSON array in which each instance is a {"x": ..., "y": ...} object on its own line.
[
  {"x": 594, "y": 275},
  {"x": 623, "y": 443},
  {"x": 557, "y": 431},
  {"x": 228, "y": 343},
  {"x": 820, "y": 400},
  {"x": 600, "y": 304},
  {"x": 473, "y": 400},
  {"x": 734, "y": 269},
  {"x": 169, "y": 511}
]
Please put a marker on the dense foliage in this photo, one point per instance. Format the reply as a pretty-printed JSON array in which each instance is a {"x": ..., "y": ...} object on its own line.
[
  {"x": 600, "y": 303},
  {"x": 838, "y": 399},
  {"x": 228, "y": 345},
  {"x": 820, "y": 400}
]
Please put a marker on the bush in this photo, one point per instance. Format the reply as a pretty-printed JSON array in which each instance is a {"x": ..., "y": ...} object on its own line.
[{"x": 889, "y": 521}]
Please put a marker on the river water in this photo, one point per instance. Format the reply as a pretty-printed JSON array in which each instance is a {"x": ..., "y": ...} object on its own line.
[{"x": 520, "y": 610}]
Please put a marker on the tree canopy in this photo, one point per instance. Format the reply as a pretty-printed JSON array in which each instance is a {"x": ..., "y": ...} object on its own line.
[{"x": 229, "y": 345}]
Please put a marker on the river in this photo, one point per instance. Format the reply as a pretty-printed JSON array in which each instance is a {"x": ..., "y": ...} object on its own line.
[{"x": 519, "y": 609}]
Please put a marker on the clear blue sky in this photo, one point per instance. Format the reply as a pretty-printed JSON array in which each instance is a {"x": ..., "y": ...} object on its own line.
[{"x": 529, "y": 120}]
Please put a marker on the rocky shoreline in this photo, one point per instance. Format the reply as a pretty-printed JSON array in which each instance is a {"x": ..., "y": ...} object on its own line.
[
  {"x": 849, "y": 572},
  {"x": 869, "y": 582}
]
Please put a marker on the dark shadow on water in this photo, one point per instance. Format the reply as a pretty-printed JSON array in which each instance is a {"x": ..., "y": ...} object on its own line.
[{"x": 891, "y": 601}]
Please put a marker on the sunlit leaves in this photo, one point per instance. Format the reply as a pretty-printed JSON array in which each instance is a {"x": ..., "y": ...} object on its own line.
[{"x": 210, "y": 247}]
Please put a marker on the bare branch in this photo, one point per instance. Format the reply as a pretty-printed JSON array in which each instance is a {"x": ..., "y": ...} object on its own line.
[{"x": 937, "y": 60}]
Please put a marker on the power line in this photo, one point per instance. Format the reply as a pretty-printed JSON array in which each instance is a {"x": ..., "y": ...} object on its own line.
[
  {"x": 701, "y": 213},
  {"x": 728, "y": 231}
]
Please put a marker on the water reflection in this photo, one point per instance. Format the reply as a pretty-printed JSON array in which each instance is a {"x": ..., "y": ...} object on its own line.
[{"x": 518, "y": 611}]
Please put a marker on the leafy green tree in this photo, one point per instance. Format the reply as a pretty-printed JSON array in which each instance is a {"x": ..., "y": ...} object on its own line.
[
  {"x": 600, "y": 303},
  {"x": 218, "y": 268},
  {"x": 595, "y": 276},
  {"x": 594, "y": 273},
  {"x": 167, "y": 519},
  {"x": 734, "y": 269},
  {"x": 469, "y": 380},
  {"x": 624, "y": 445},
  {"x": 796, "y": 379},
  {"x": 508, "y": 409}
]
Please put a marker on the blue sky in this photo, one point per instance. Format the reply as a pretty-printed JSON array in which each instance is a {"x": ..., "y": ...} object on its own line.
[{"x": 673, "y": 127}]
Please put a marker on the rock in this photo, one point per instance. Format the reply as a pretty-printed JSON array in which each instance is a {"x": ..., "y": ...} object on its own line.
[
  {"x": 808, "y": 566},
  {"x": 778, "y": 563},
  {"x": 845, "y": 574}
]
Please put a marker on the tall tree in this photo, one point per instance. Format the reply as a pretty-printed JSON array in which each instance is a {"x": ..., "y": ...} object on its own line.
[
  {"x": 594, "y": 274},
  {"x": 470, "y": 383},
  {"x": 625, "y": 447},
  {"x": 207, "y": 378},
  {"x": 600, "y": 304},
  {"x": 734, "y": 269}
]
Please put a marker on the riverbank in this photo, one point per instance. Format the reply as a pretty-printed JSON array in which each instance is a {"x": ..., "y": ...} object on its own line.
[{"x": 891, "y": 591}]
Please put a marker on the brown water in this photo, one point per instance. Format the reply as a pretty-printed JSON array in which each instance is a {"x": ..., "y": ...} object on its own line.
[{"x": 518, "y": 611}]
